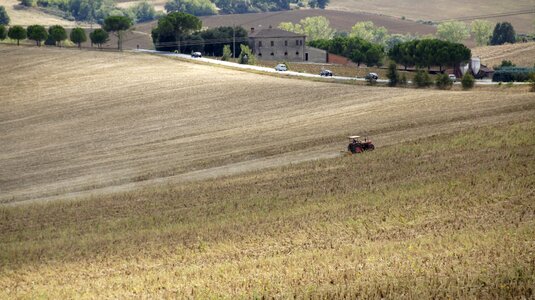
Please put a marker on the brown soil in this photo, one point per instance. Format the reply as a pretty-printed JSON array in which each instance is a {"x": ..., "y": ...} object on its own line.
[{"x": 79, "y": 121}]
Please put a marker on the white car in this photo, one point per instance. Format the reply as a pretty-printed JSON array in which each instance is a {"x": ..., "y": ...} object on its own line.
[
  {"x": 452, "y": 77},
  {"x": 196, "y": 54},
  {"x": 281, "y": 67}
]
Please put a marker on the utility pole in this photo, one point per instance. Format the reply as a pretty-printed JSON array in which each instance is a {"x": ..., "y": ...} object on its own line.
[{"x": 233, "y": 41}]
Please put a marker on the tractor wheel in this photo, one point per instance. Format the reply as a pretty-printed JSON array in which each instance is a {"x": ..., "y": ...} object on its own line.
[{"x": 371, "y": 147}]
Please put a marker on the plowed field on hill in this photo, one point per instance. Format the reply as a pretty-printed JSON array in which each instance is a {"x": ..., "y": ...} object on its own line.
[{"x": 80, "y": 121}]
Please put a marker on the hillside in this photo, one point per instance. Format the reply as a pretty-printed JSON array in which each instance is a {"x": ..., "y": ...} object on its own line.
[
  {"x": 443, "y": 208},
  {"x": 521, "y": 54},
  {"x": 445, "y": 9},
  {"x": 82, "y": 121},
  {"x": 20, "y": 15},
  {"x": 342, "y": 21}
]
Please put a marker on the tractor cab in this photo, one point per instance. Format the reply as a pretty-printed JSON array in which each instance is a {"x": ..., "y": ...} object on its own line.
[{"x": 357, "y": 145}]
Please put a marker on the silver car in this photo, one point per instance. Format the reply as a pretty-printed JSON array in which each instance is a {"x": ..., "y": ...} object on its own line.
[{"x": 281, "y": 67}]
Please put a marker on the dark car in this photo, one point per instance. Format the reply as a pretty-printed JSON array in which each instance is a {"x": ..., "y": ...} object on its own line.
[
  {"x": 326, "y": 73},
  {"x": 373, "y": 76}
]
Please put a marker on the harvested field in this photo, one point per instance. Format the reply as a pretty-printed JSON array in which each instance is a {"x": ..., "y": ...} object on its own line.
[
  {"x": 444, "y": 9},
  {"x": 450, "y": 216},
  {"x": 521, "y": 54},
  {"x": 24, "y": 16},
  {"x": 443, "y": 208},
  {"x": 78, "y": 121},
  {"x": 342, "y": 21}
]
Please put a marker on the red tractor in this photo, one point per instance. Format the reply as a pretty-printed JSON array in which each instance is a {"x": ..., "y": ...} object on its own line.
[{"x": 358, "y": 146}]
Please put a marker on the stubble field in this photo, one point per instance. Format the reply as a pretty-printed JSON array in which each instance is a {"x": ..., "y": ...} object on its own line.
[
  {"x": 521, "y": 54},
  {"x": 437, "y": 10},
  {"x": 339, "y": 20},
  {"x": 444, "y": 208},
  {"x": 78, "y": 121}
]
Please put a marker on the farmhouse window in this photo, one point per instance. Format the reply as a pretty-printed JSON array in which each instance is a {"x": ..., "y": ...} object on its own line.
[
  {"x": 272, "y": 53},
  {"x": 297, "y": 42},
  {"x": 259, "y": 54},
  {"x": 297, "y": 53},
  {"x": 285, "y": 53},
  {"x": 272, "y": 43},
  {"x": 285, "y": 43},
  {"x": 260, "y": 44}
]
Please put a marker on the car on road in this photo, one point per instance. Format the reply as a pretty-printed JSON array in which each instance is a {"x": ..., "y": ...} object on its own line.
[
  {"x": 281, "y": 67},
  {"x": 196, "y": 54},
  {"x": 452, "y": 77},
  {"x": 326, "y": 73},
  {"x": 373, "y": 76}
]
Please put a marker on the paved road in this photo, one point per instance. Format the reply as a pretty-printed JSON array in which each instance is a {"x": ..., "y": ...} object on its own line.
[
  {"x": 286, "y": 73},
  {"x": 250, "y": 67}
]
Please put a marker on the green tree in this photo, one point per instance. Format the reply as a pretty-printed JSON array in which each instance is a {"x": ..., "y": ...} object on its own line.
[
  {"x": 443, "y": 82},
  {"x": 318, "y": 3},
  {"x": 429, "y": 52},
  {"x": 356, "y": 49},
  {"x": 250, "y": 6},
  {"x": 17, "y": 32},
  {"x": 505, "y": 64},
  {"x": 468, "y": 81},
  {"x": 27, "y": 3},
  {"x": 3, "y": 32},
  {"x": 314, "y": 28},
  {"x": 374, "y": 56},
  {"x": 246, "y": 56},
  {"x": 4, "y": 18},
  {"x": 99, "y": 37},
  {"x": 482, "y": 31},
  {"x": 403, "y": 81},
  {"x": 369, "y": 32},
  {"x": 357, "y": 56},
  {"x": 194, "y": 7},
  {"x": 532, "y": 81},
  {"x": 78, "y": 36},
  {"x": 228, "y": 33},
  {"x": 172, "y": 28},
  {"x": 396, "y": 39},
  {"x": 144, "y": 11},
  {"x": 57, "y": 33},
  {"x": 118, "y": 25},
  {"x": 227, "y": 54},
  {"x": 453, "y": 31},
  {"x": 503, "y": 33},
  {"x": 422, "y": 79},
  {"x": 37, "y": 33},
  {"x": 291, "y": 27},
  {"x": 392, "y": 75}
]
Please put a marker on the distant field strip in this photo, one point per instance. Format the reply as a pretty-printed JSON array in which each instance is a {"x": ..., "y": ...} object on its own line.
[
  {"x": 492, "y": 10},
  {"x": 521, "y": 54},
  {"x": 82, "y": 121}
]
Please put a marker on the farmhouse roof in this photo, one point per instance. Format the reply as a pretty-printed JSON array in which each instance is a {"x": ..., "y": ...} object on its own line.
[{"x": 273, "y": 33}]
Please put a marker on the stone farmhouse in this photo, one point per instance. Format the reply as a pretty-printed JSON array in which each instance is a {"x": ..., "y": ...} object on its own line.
[{"x": 277, "y": 44}]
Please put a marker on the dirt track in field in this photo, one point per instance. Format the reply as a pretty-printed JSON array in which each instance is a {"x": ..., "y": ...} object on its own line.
[{"x": 75, "y": 123}]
